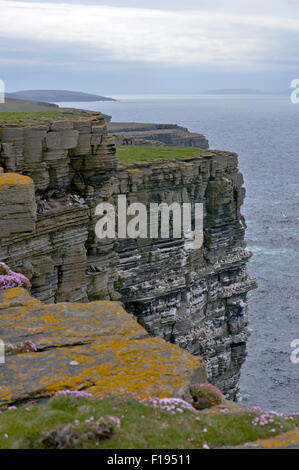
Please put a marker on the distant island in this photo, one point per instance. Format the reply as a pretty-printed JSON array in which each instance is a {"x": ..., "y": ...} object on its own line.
[
  {"x": 240, "y": 91},
  {"x": 53, "y": 96}
]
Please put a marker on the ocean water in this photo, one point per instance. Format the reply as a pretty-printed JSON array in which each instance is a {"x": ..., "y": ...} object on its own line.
[{"x": 264, "y": 131}]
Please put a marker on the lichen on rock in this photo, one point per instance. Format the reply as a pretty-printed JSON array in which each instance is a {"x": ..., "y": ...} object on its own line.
[{"x": 96, "y": 347}]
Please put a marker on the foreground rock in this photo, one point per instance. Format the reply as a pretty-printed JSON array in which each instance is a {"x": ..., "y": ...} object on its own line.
[
  {"x": 288, "y": 440},
  {"x": 172, "y": 135},
  {"x": 96, "y": 347}
]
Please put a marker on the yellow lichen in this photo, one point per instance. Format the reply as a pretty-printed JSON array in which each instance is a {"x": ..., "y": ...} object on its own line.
[
  {"x": 8, "y": 180},
  {"x": 284, "y": 440},
  {"x": 97, "y": 346}
]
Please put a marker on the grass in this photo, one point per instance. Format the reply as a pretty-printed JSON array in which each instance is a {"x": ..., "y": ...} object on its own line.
[
  {"x": 40, "y": 116},
  {"x": 132, "y": 154},
  {"x": 141, "y": 426}
]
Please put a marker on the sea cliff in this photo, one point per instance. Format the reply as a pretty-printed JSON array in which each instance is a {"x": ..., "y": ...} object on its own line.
[{"x": 55, "y": 174}]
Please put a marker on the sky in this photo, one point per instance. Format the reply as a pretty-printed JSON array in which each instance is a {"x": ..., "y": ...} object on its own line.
[{"x": 166, "y": 46}]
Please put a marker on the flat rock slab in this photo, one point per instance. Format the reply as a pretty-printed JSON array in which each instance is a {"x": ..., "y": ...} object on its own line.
[
  {"x": 288, "y": 440},
  {"x": 97, "y": 347}
]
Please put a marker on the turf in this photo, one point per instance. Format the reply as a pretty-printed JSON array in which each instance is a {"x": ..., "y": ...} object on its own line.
[
  {"x": 130, "y": 154},
  {"x": 37, "y": 117},
  {"x": 142, "y": 426}
]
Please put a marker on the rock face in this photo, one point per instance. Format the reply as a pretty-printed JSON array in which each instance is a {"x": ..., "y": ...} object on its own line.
[
  {"x": 96, "y": 347},
  {"x": 170, "y": 135},
  {"x": 17, "y": 204},
  {"x": 193, "y": 298}
]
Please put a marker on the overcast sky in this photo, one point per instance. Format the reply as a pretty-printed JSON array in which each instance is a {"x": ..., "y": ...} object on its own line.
[{"x": 149, "y": 46}]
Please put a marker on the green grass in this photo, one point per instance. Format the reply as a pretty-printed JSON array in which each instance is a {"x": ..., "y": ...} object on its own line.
[
  {"x": 134, "y": 153},
  {"x": 141, "y": 426},
  {"x": 40, "y": 116}
]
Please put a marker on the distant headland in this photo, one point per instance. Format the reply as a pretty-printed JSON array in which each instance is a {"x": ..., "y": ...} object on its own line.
[{"x": 56, "y": 96}]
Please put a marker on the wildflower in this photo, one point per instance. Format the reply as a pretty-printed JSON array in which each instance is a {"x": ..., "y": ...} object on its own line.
[
  {"x": 10, "y": 279},
  {"x": 205, "y": 446},
  {"x": 115, "y": 420},
  {"x": 75, "y": 393},
  {"x": 5, "y": 436},
  {"x": 171, "y": 405}
]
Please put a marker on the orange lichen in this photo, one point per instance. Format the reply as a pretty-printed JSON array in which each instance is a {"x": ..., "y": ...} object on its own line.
[
  {"x": 8, "y": 180},
  {"x": 97, "y": 346},
  {"x": 284, "y": 440}
]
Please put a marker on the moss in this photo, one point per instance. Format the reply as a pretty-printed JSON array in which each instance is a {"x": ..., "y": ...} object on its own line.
[
  {"x": 100, "y": 295},
  {"x": 205, "y": 395}
]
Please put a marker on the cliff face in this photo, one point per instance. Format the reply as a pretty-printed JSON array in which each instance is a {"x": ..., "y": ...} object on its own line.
[{"x": 193, "y": 298}]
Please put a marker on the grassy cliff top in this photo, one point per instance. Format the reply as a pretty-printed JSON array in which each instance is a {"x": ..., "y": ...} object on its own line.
[
  {"x": 40, "y": 117},
  {"x": 141, "y": 426},
  {"x": 12, "y": 105},
  {"x": 130, "y": 154}
]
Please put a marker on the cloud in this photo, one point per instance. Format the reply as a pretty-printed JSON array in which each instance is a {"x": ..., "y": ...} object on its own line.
[{"x": 169, "y": 38}]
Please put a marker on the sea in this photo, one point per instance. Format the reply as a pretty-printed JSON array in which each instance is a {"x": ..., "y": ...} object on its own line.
[{"x": 264, "y": 131}]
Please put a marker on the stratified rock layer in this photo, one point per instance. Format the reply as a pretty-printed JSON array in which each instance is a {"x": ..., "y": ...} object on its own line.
[
  {"x": 17, "y": 204},
  {"x": 172, "y": 135},
  {"x": 193, "y": 298},
  {"x": 96, "y": 347}
]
